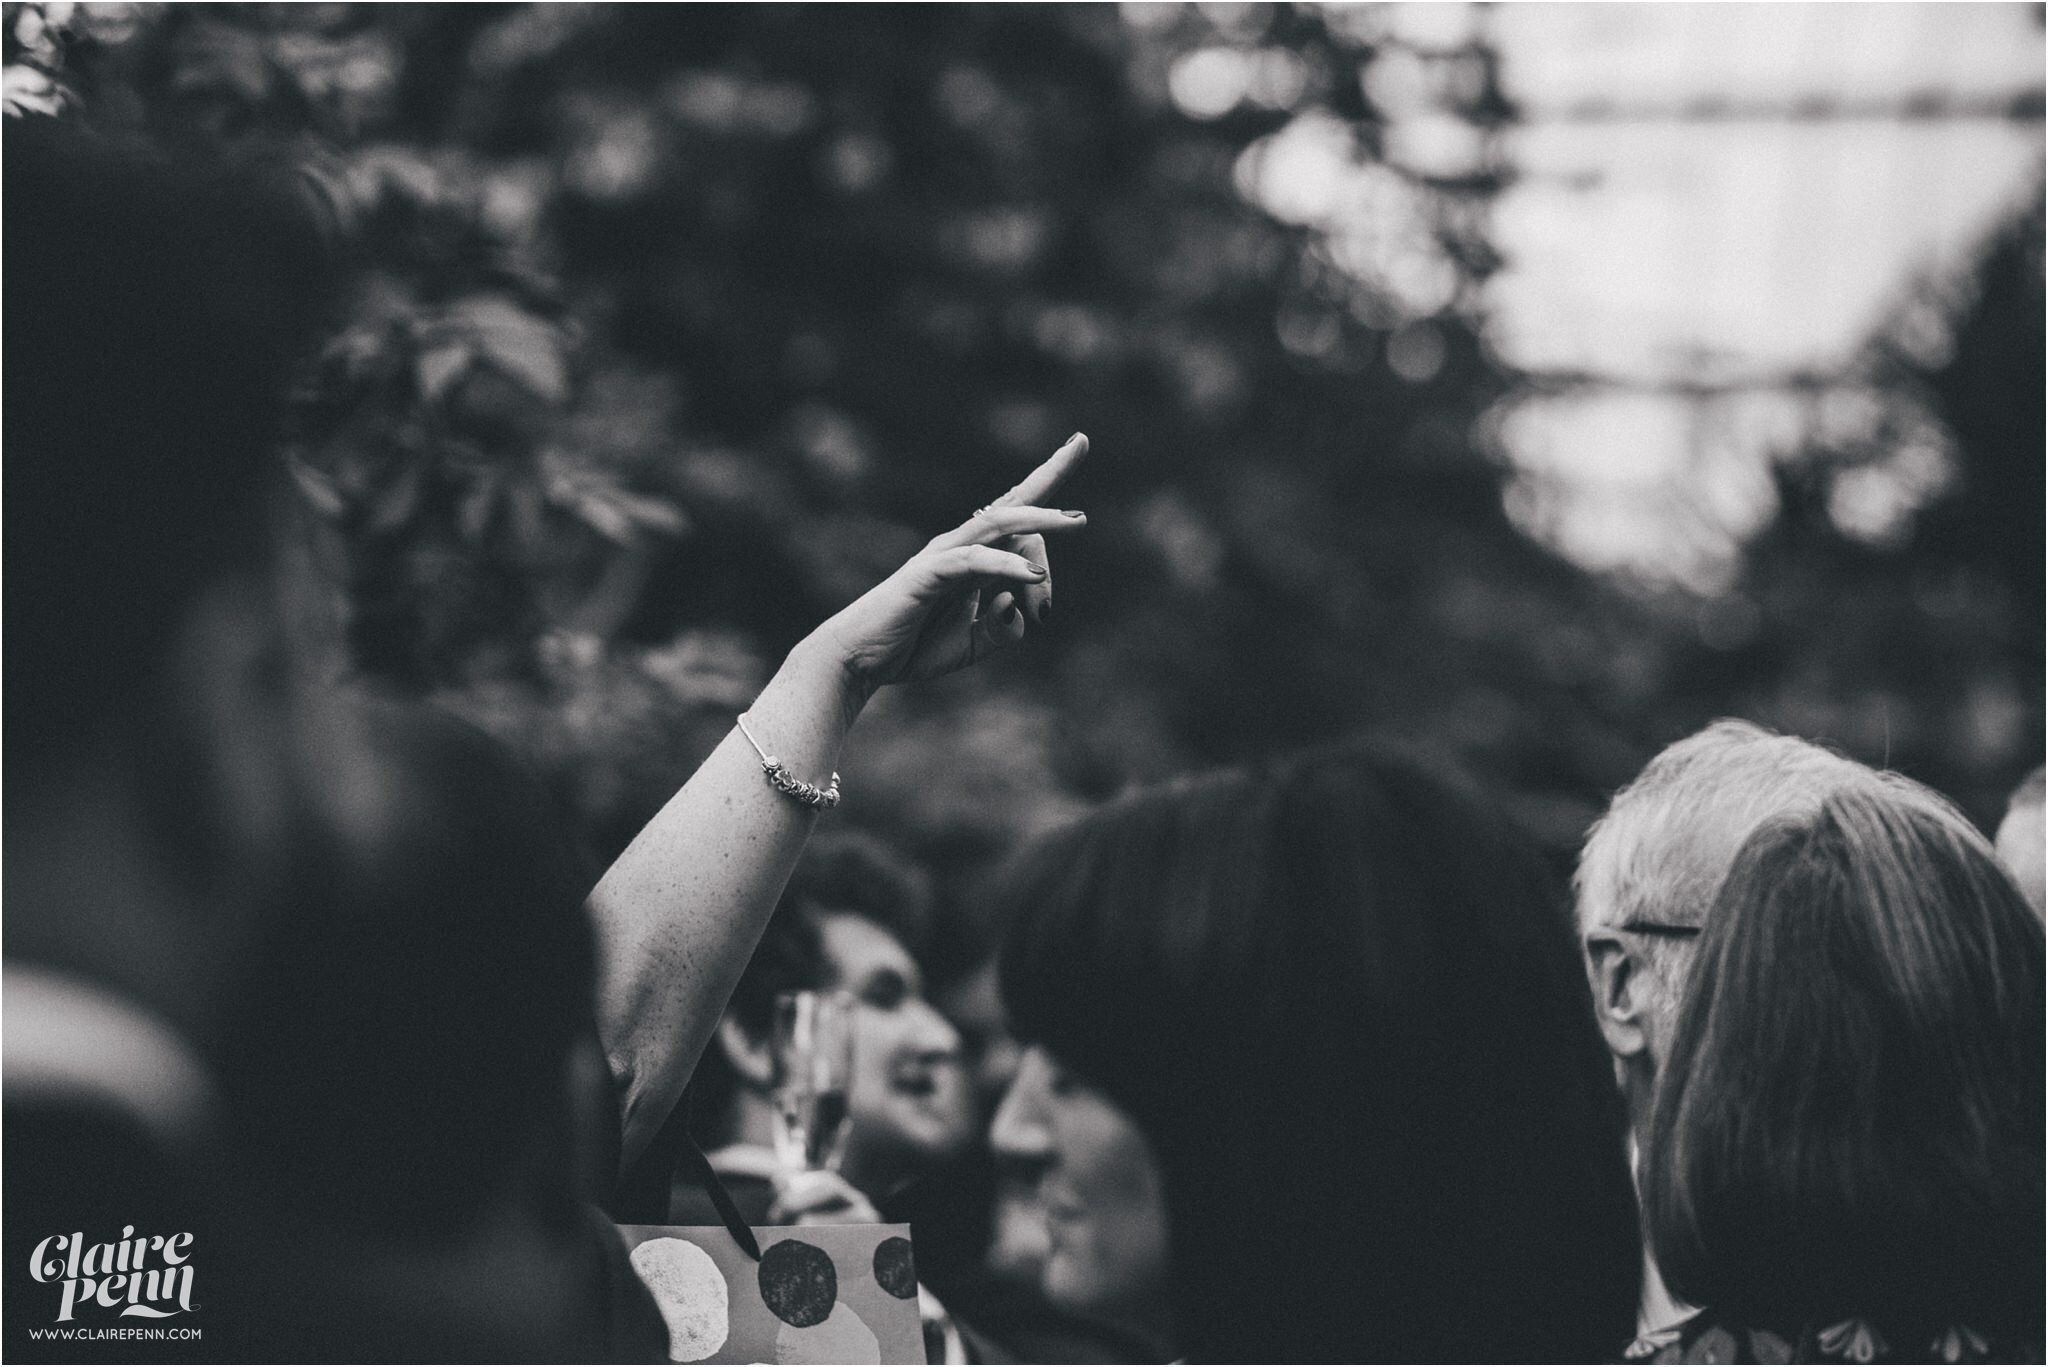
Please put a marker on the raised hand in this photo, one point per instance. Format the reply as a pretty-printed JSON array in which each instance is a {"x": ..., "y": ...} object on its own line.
[
  {"x": 820, "y": 1198},
  {"x": 969, "y": 593},
  {"x": 680, "y": 911}
]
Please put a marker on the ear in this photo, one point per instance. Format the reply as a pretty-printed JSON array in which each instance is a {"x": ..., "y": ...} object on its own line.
[
  {"x": 1621, "y": 992},
  {"x": 749, "y": 1057}
]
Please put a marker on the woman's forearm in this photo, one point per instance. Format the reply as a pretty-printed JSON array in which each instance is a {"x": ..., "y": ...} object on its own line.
[{"x": 679, "y": 914}]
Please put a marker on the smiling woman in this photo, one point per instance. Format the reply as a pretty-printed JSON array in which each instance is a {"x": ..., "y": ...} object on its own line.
[
  {"x": 847, "y": 922},
  {"x": 910, "y": 1100},
  {"x": 1314, "y": 1075},
  {"x": 1101, "y": 1193}
]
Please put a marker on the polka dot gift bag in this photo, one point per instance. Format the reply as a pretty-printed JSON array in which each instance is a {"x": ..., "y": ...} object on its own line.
[{"x": 817, "y": 1293}]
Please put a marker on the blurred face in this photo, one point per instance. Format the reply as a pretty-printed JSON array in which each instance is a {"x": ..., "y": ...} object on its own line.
[
  {"x": 1101, "y": 1194},
  {"x": 2023, "y": 846},
  {"x": 1668, "y": 971},
  {"x": 975, "y": 1006},
  {"x": 910, "y": 1099}
]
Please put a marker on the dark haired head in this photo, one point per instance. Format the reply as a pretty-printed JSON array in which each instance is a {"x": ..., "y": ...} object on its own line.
[
  {"x": 153, "y": 309},
  {"x": 1850, "y": 1122},
  {"x": 399, "y": 1031},
  {"x": 1341, "y": 999}
]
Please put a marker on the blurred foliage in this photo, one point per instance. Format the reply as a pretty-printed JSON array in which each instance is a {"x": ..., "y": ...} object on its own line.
[{"x": 677, "y": 326}]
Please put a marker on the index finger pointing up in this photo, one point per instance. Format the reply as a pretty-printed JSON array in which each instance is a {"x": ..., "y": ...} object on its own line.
[{"x": 1034, "y": 487}]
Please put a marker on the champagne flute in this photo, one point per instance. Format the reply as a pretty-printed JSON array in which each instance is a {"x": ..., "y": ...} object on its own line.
[{"x": 813, "y": 1052}]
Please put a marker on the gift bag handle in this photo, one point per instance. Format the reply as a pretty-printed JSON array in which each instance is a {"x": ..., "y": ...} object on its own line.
[{"x": 700, "y": 1167}]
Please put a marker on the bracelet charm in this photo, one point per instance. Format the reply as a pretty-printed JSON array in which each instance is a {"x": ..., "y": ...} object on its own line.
[{"x": 788, "y": 784}]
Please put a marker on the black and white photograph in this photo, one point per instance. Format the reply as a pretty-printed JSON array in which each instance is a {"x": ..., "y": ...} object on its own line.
[{"x": 1023, "y": 682}]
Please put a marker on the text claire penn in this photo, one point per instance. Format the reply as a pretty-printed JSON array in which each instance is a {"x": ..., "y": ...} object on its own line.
[{"x": 117, "y": 1272}]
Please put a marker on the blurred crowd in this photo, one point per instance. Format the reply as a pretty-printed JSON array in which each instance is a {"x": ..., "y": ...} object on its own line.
[{"x": 1308, "y": 1059}]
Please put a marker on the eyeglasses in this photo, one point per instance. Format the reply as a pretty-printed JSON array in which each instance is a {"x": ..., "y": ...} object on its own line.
[{"x": 1660, "y": 928}]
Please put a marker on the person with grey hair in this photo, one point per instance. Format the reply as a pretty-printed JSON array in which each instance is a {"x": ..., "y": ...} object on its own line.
[
  {"x": 1648, "y": 875},
  {"x": 1845, "y": 1160},
  {"x": 1651, "y": 865}
]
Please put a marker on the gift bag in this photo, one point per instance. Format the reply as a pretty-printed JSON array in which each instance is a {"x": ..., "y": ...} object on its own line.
[{"x": 820, "y": 1293}]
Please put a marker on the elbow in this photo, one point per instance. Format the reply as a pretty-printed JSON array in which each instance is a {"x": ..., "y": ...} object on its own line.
[
  {"x": 628, "y": 1085},
  {"x": 643, "y": 1108}
]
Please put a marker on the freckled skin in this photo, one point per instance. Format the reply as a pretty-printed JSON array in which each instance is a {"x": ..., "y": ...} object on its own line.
[{"x": 704, "y": 874}]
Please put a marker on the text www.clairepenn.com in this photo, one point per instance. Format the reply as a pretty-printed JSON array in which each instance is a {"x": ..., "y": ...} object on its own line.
[{"x": 112, "y": 1332}]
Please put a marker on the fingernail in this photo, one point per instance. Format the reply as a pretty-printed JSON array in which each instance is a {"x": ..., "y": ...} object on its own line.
[
  {"x": 1072, "y": 512},
  {"x": 1010, "y": 614},
  {"x": 1044, "y": 611},
  {"x": 1038, "y": 571},
  {"x": 1071, "y": 440}
]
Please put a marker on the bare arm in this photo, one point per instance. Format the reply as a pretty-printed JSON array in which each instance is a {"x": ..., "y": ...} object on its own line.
[{"x": 679, "y": 914}]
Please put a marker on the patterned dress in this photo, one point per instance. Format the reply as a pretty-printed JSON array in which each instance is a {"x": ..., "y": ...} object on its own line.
[{"x": 1707, "y": 1337}]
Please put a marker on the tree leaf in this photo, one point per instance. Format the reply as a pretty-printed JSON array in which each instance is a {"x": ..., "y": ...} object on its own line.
[
  {"x": 319, "y": 491},
  {"x": 525, "y": 347},
  {"x": 395, "y": 504},
  {"x": 477, "y": 509},
  {"x": 440, "y": 367}
]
